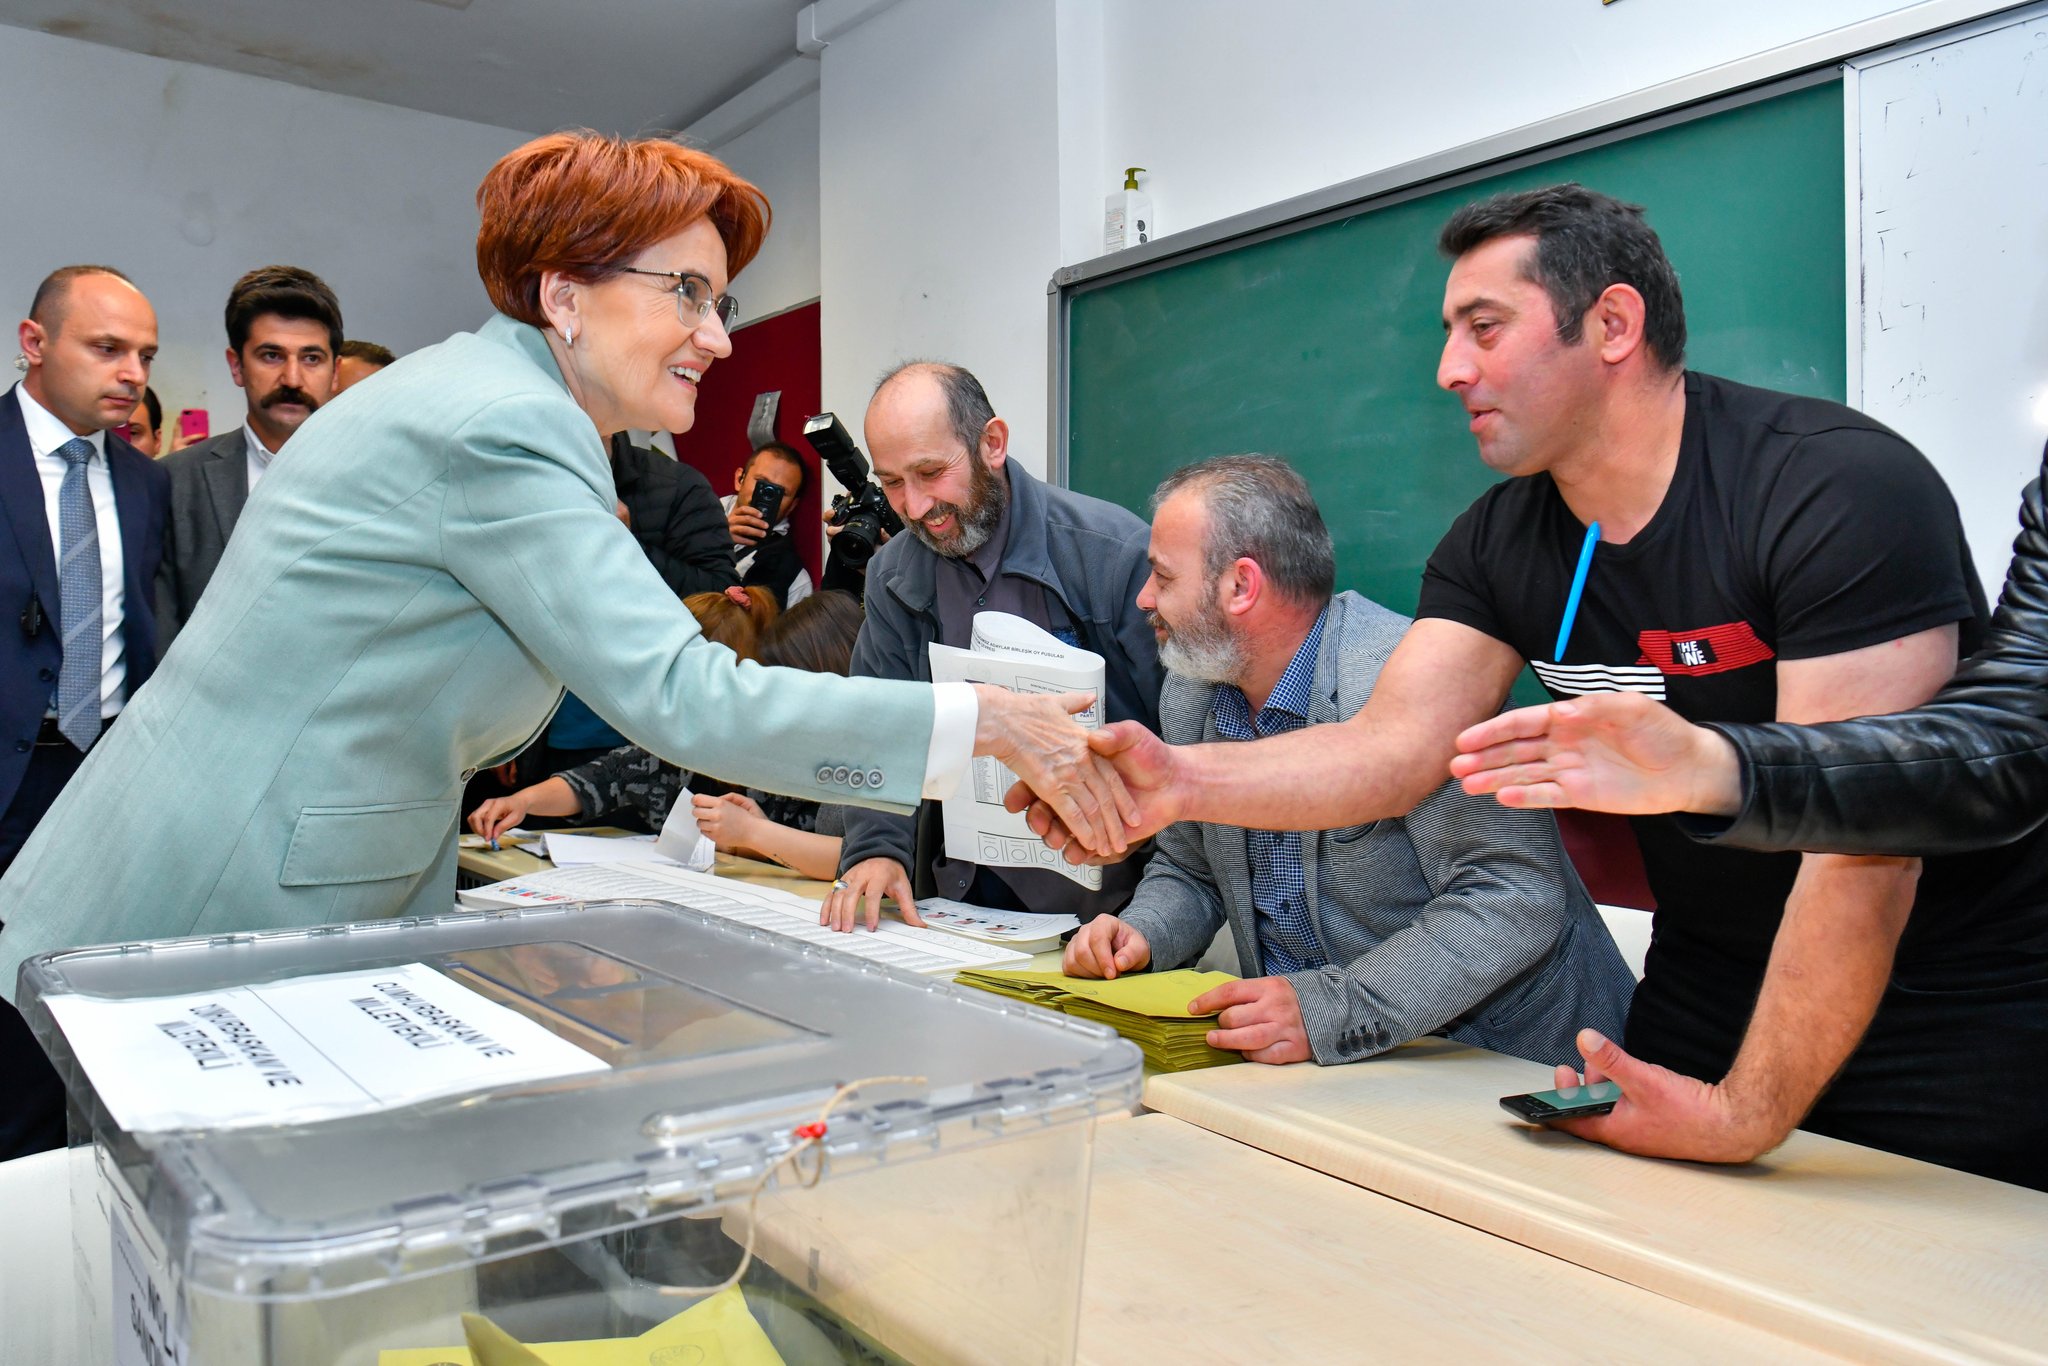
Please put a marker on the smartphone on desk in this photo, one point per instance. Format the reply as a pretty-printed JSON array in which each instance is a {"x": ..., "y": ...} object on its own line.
[{"x": 1570, "y": 1102}]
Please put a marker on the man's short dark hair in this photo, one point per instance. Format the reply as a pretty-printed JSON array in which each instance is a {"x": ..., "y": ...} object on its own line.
[
  {"x": 1260, "y": 509},
  {"x": 47, "y": 307},
  {"x": 284, "y": 292},
  {"x": 366, "y": 351},
  {"x": 788, "y": 453},
  {"x": 155, "y": 406},
  {"x": 968, "y": 411},
  {"x": 1585, "y": 241}
]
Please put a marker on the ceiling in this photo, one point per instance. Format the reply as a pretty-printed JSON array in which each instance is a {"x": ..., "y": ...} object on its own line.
[{"x": 533, "y": 65}]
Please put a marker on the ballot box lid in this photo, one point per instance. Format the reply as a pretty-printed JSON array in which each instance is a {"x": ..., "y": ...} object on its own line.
[{"x": 684, "y": 1055}]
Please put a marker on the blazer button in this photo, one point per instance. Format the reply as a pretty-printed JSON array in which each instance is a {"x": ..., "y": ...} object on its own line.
[
  {"x": 467, "y": 774},
  {"x": 842, "y": 775},
  {"x": 874, "y": 777},
  {"x": 825, "y": 774},
  {"x": 46, "y": 675},
  {"x": 857, "y": 778}
]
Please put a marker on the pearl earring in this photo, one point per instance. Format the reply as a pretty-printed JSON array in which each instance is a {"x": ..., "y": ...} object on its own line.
[{"x": 569, "y": 336}]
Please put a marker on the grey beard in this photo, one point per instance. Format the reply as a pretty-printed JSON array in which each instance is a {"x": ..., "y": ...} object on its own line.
[{"x": 1203, "y": 658}]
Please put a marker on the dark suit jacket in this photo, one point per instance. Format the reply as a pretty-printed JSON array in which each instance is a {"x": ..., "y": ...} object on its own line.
[
  {"x": 209, "y": 485},
  {"x": 28, "y": 569}
]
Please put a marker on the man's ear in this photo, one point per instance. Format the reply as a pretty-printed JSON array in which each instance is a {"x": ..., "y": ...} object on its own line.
[
  {"x": 1243, "y": 585},
  {"x": 33, "y": 339},
  {"x": 1616, "y": 322},
  {"x": 235, "y": 367},
  {"x": 995, "y": 443}
]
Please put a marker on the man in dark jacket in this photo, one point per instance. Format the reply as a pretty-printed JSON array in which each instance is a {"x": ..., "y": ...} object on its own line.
[
  {"x": 676, "y": 518},
  {"x": 982, "y": 535}
]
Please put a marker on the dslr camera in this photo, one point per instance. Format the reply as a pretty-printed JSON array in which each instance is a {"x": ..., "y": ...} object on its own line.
[{"x": 863, "y": 510}]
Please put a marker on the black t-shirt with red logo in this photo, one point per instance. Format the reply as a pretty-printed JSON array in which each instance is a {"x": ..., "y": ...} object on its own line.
[{"x": 1794, "y": 528}]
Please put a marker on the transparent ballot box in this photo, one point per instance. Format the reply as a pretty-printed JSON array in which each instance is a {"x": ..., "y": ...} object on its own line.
[{"x": 625, "y": 1132}]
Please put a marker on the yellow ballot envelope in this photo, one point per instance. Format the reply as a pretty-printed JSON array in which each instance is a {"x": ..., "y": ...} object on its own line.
[
  {"x": 1148, "y": 1008},
  {"x": 719, "y": 1332}
]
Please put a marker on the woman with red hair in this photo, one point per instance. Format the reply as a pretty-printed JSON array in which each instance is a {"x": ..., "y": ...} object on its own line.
[{"x": 412, "y": 586}]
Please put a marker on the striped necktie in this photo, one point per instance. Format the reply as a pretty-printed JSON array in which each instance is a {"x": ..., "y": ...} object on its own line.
[{"x": 81, "y": 602}]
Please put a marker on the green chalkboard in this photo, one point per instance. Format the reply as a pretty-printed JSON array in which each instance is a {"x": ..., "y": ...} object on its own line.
[{"x": 1322, "y": 345}]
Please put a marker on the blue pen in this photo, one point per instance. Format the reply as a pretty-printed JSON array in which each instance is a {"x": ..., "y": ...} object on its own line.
[{"x": 1571, "y": 604}]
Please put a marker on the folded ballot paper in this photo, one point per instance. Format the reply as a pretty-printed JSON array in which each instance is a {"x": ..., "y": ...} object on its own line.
[
  {"x": 1010, "y": 652},
  {"x": 1148, "y": 1008}
]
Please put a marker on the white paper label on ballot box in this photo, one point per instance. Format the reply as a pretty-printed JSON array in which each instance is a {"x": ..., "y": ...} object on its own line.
[{"x": 309, "y": 1048}]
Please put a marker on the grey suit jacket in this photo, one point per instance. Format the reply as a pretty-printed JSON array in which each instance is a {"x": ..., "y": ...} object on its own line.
[
  {"x": 209, "y": 485},
  {"x": 1462, "y": 918},
  {"x": 403, "y": 602}
]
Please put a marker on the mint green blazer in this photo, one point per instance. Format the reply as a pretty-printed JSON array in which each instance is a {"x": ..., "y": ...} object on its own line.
[{"x": 429, "y": 563}]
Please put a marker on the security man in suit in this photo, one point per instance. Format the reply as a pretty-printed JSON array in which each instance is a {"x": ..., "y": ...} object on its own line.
[
  {"x": 284, "y": 334},
  {"x": 79, "y": 547}
]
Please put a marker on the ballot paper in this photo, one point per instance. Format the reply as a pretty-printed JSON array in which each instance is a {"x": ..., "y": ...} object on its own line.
[
  {"x": 304, "y": 1049},
  {"x": 1148, "y": 1008},
  {"x": 681, "y": 841},
  {"x": 1011, "y": 653},
  {"x": 763, "y": 908},
  {"x": 575, "y": 851},
  {"x": 1024, "y": 931}
]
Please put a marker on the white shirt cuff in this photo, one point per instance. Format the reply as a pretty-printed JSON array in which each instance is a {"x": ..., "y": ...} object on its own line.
[{"x": 956, "y": 712}]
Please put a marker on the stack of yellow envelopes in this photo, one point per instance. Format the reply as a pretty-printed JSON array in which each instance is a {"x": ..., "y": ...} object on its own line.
[{"x": 1148, "y": 1008}]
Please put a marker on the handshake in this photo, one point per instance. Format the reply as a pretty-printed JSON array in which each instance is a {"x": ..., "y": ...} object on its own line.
[{"x": 1091, "y": 794}]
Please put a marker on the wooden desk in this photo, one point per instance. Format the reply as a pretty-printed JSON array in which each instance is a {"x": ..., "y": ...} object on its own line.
[{"x": 1840, "y": 1247}]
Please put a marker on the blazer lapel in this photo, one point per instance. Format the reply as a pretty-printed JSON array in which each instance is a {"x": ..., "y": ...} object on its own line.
[
  {"x": 1231, "y": 866},
  {"x": 227, "y": 484},
  {"x": 21, "y": 493},
  {"x": 131, "y": 507}
]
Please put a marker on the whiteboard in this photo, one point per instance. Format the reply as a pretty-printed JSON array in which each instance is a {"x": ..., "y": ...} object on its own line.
[{"x": 1948, "y": 295}]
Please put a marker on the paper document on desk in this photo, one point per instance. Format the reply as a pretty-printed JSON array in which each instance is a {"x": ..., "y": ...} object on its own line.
[
  {"x": 1025, "y": 931},
  {"x": 576, "y": 851},
  {"x": 762, "y": 908},
  {"x": 304, "y": 1049},
  {"x": 1011, "y": 653}
]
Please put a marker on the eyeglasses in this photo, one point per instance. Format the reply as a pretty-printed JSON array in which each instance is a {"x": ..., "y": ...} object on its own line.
[{"x": 694, "y": 300}]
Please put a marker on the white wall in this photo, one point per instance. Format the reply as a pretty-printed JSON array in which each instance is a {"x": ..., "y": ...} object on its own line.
[
  {"x": 184, "y": 177},
  {"x": 939, "y": 164},
  {"x": 780, "y": 154}
]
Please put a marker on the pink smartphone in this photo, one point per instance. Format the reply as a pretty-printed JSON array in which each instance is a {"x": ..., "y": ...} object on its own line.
[{"x": 192, "y": 424}]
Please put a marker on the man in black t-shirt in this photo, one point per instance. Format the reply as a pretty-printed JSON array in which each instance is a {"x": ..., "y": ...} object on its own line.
[{"x": 1759, "y": 556}]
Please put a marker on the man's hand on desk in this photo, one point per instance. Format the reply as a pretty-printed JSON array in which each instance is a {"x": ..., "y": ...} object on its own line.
[
  {"x": 1261, "y": 1019},
  {"x": 1105, "y": 947},
  {"x": 1662, "y": 1113},
  {"x": 865, "y": 884},
  {"x": 1053, "y": 757},
  {"x": 1148, "y": 771}
]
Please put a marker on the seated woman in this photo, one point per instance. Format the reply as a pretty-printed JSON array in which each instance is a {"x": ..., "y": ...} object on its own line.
[
  {"x": 817, "y": 636},
  {"x": 630, "y": 779}
]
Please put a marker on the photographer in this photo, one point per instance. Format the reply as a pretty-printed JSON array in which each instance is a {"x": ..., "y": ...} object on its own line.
[
  {"x": 984, "y": 535},
  {"x": 766, "y": 487}
]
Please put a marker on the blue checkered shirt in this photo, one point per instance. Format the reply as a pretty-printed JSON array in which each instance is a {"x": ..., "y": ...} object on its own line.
[{"x": 1287, "y": 936}]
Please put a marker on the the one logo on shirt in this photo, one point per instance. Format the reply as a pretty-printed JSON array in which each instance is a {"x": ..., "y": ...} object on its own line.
[
  {"x": 1580, "y": 680},
  {"x": 1707, "y": 650}
]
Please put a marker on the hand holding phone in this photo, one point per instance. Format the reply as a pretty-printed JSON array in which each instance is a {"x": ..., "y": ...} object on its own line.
[
  {"x": 766, "y": 499},
  {"x": 1567, "y": 1102},
  {"x": 192, "y": 424}
]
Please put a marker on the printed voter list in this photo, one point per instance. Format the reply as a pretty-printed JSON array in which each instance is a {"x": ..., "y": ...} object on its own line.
[{"x": 309, "y": 1048}]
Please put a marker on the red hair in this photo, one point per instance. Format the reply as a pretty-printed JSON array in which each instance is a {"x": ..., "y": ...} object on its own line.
[{"x": 584, "y": 204}]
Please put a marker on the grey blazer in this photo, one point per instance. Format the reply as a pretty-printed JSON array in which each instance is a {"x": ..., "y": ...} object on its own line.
[
  {"x": 1462, "y": 918},
  {"x": 403, "y": 602},
  {"x": 209, "y": 485}
]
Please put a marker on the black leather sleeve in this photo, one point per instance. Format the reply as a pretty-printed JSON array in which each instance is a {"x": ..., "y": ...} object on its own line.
[{"x": 1967, "y": 771}]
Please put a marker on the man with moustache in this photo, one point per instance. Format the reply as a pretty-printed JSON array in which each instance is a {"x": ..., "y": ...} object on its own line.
[
  {"x": 284, "y": 333},
  {"x": 984, "y": 537},
  {"x": 1461, "y": 918},
  {"x": 79, "y": 544}
]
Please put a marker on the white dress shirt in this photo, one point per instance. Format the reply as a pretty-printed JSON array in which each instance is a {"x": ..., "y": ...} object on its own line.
[
  {"x": 45, "y": 435},
  {"x": 260, "y": 455}
]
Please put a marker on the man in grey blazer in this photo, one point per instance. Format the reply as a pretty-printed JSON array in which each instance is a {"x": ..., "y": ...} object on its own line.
[
  {"x": 284, "y": 333},
  {"x": 1462, "y": 918}
]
